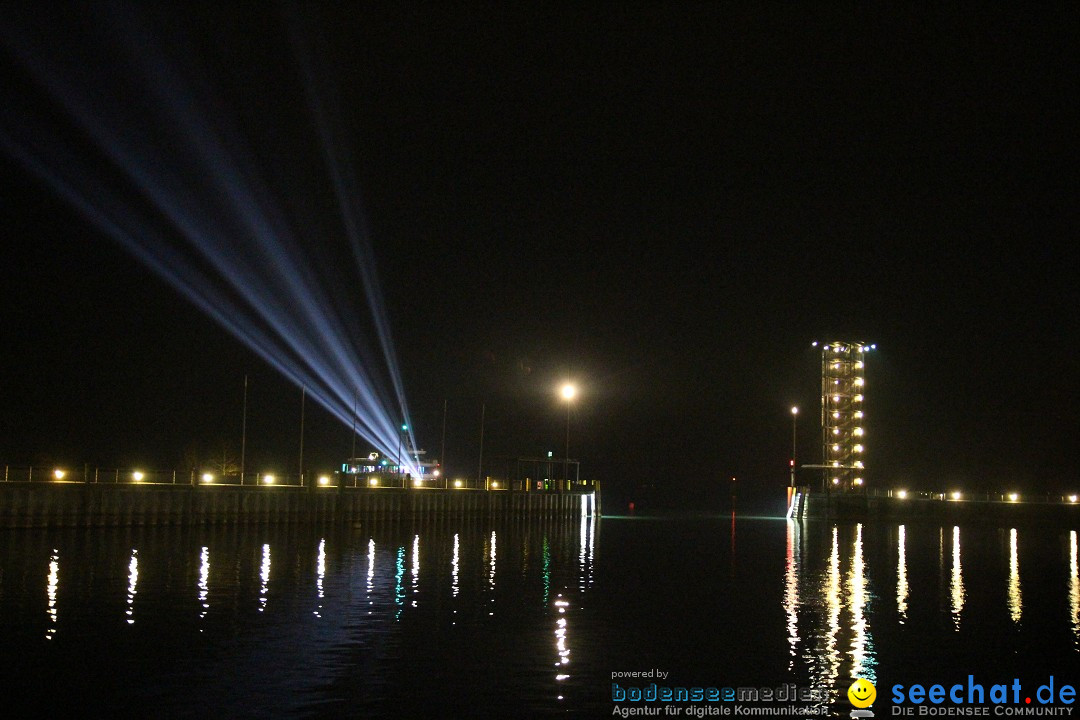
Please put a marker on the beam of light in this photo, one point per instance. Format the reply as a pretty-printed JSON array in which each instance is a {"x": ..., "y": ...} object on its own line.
[
  {"x": 151, "y": 156},
  {"x": 901, "y": 576}
]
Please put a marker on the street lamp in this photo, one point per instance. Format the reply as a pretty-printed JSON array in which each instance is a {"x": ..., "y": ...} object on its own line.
[
  {"x": 568, "y": 392},
  {"x": 794, "y": 417}
]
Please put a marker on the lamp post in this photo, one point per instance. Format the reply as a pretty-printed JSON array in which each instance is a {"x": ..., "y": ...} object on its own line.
[
  {"x": 568, "y": 393},
  {"x": 794, "y": 417}
]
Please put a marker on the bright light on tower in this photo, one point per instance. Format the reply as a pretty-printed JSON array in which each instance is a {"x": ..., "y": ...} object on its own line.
[{"x": 568, "y": 391}]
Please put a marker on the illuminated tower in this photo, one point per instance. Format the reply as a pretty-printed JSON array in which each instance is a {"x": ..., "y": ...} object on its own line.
[{"x": 843, "y": 390}]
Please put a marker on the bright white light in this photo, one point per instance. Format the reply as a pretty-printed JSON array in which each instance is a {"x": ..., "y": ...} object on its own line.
[
  {"x": 836, "y": 448},
  {"x": 373, "y": 481},
  {"x": 836, "y": 431},
  {"x": 901, "y": 494},
  {"x": 857, "y": 448},
  {"x": 324, "y": 480},
  {"x": 59, "y": 474},
  {"x": 858, "y": 481},
  {"x": 857, "y": 432},
  {"x": 207, "y": 477},
  {"x": 836, "y": 415},
  {"x": 417, "y": 482},
  {"x": 836, "y": 463},
  {"x": 857, "y": 398},
  {"x": 955, "y": 495},
  {"x": 494, "y": 484},
  {"x": 859, "y": 365},
  {"x": 1072, "y": 498},
  {"x": 836, "y": 481},
  {"x": 858, "y": 414},
  {"x": 568, "y": 391},
  {"x": 858, "y": 463},
  {"x": 794, "y": 411},
  {"x": 269, "y": 479},
  {"x": 435, "y": 473},
  {"x": 859, "y": 382},
  {"x": 836, "y": 398},
  {"x": 137, "y": 476},
  {"x": 457, "y": 483},
  {"x": 1013, "y": 497}
]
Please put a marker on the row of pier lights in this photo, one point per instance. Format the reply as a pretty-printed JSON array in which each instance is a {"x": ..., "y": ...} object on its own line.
[
  {"x": 958, "y": 496},
  {"x": 269, "y": 479}
]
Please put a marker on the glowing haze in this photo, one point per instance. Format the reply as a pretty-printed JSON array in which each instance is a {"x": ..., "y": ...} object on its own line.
[{"x": 125, "y": 126}]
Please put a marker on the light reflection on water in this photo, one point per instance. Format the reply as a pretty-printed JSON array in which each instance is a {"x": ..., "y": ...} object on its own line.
[
  {"x": 1074, "y": 588},
  {"x": 838, "y": 605},
  {"x": 1016, "y": 604},
  {"x": 901, "y": 574},
  {"x": 956, "y": 585}
]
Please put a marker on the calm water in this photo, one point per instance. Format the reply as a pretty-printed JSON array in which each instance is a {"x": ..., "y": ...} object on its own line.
[{"x": 475, "y": 620}]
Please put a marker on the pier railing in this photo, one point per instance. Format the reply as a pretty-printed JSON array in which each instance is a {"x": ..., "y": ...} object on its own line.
[{"x": 384, "y": 481}]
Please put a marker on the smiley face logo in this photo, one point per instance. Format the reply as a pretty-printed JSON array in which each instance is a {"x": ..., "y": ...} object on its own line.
[{"x": 862, "y": 693}]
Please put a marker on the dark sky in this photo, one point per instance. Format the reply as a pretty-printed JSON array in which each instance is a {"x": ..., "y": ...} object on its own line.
[{"x": 667, "y": 201}]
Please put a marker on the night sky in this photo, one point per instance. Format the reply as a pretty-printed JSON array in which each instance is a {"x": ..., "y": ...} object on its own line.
[{"x": 665, "y": 202}]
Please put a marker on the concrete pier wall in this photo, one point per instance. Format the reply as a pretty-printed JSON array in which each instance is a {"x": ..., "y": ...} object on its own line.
[
  {"x": 77, "y": 505},
  {"x": 862, "y": 507}
]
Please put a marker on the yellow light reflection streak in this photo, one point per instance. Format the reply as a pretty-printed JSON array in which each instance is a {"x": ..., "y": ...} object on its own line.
[
  {"x": 50, "y": 592},
  {"x": 791, "y": 592},
  {"x": 901, "y": 575},
  {"x": 264, "y": 577},
  {"x": 204, "y": 582},
  {"x": 133, "y": 580},
  {"x": 832, "y": 602},
  {"x": 862, "y": 661},
  {"x": 956, "y": 586},
  {"x": 1074, "y": 586},
  {"x": 415, "y": 567},
  {"x": 1015, "y": 600},
  {"x": 320, "y": 575},
  {"x": 455, "y": 566},
  {"x": 370, "y": 572}
]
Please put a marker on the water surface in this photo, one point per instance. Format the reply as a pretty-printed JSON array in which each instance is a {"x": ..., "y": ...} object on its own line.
[{"x": 519, "y": 620}]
